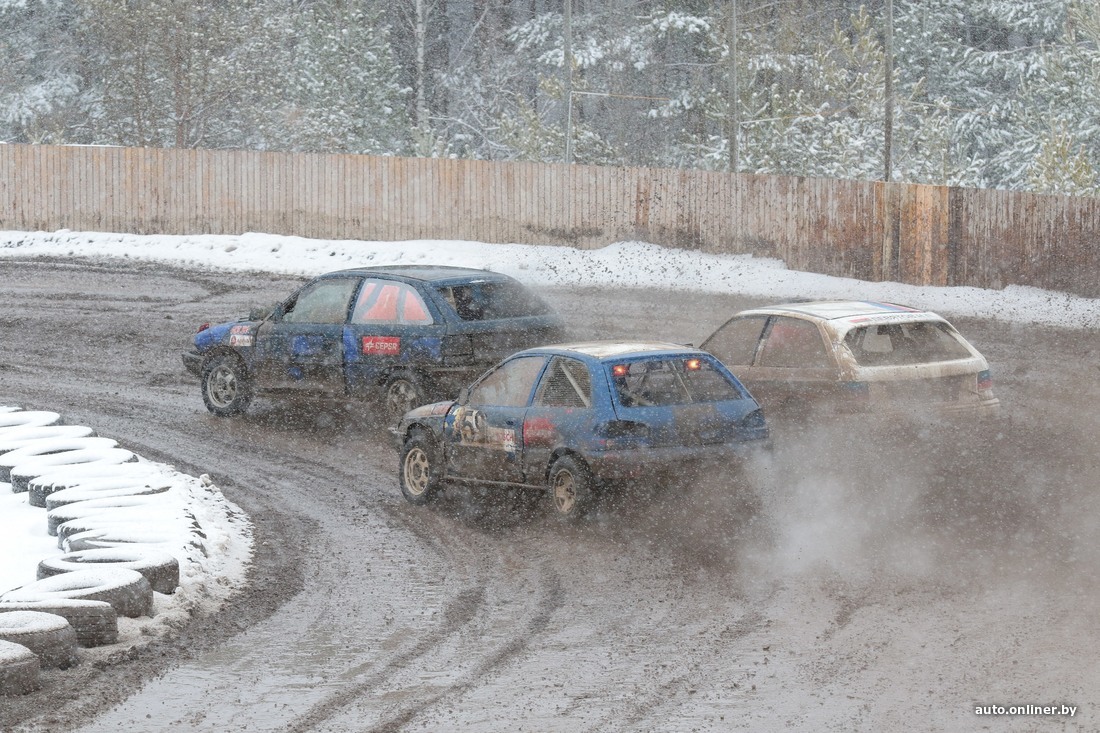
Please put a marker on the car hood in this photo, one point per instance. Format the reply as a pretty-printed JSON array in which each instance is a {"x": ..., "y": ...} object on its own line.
[
  {"x": 425, "y": 411},
  {"x": 220, "y": 333}
]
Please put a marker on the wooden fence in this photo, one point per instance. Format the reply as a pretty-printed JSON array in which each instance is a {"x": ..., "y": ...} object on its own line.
[{"x": 928, "y": 235}]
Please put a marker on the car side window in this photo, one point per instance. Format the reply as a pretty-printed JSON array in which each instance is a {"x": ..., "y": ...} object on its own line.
[
  {"x": 389, "y": 301},
  {"x": 566, "y": 383},
  {"x": 735, "y": 343},
  {"x": 323, "y": 301},
  {"x": 510, "y": 384},
  {"x": 793, "y": 344}
]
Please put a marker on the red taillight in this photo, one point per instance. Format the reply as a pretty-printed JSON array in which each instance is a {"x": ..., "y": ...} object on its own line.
[
  {"x": 985, "y": 380},
  {"x": 203, "y": 327}
]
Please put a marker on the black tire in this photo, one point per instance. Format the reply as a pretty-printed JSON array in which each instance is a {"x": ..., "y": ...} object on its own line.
[
  {"x": 48, "y": 635},
  {"x": 102, "y": 490},
  {"x": 161, "y": 569},
  {"x": 18, "y": 669},
  {"x": 128, "y": 592},
  {"x": 95, "y": 622},
  {"x": 403, "y": 392},
  {"x": 65, "y": 477},
  {"x": 111, "y": 508},
  {"x": 20, "y": 477},
  {"x": 569, "y": 484},
  {"x": 226, "y": 385},
  {"x": 420, "y": 470}
]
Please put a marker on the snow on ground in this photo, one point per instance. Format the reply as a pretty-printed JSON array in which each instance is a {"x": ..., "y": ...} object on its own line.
[
  {"x": 626, "y": 264},
  {"x": 24, "y": 540}
]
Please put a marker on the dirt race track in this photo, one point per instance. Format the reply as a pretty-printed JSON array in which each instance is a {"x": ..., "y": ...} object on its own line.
[{"x": 890, "y": 579}]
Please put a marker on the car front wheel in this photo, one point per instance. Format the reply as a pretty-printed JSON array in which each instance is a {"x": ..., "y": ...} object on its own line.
[
  {"x": 420, "y": 469},
  {"x": 570, "y": 485},
  {"x": 226, "y": 387}
]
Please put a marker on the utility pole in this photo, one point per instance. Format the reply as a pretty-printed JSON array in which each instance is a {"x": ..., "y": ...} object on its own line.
[
  {"x": 567, "y": 62},
  {"x": 888, "y": 89},
  {"x": 733, "y": 115}
]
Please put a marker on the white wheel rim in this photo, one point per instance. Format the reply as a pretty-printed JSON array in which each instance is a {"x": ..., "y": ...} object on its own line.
[
  {"x": 417, "y": 471},
  {"x": 565, "y": 492},
  {"x": 223, "y": 386}
]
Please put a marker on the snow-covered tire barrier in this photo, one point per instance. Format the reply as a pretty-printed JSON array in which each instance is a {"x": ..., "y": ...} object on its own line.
[
  {"x": 27, "y": 418},
  {"x": 113, "y": 508},
  {"x": 18, "y": 669},
  {"x": 48, "y": 635},
  {"x": 120, "y": 475},
  {"x": 99, "y": 489},
  {"x": 161, "y": 569},
  {"x": 144, "y": 542},
  {"x": 112, "y": 535},
  {"x": 95, "y": 622},
  {"x": 40, "y": 450},
  {"x": 128, "y": 592},
  {"x": 17, "y": 437},
  {"x": 22, "y": 473}
]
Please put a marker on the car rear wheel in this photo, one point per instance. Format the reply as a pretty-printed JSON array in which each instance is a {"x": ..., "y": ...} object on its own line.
[
  {"x": 420, "y": 469},
  {"x": 226, "y": 387},
  {"x": 403, "y": 393},
  {"x": 570, "y": 486}
]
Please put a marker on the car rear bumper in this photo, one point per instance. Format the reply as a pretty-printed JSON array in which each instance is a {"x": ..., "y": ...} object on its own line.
[
  {"x": 193, "y": 361},
  {"x": 625, "y": 465}
]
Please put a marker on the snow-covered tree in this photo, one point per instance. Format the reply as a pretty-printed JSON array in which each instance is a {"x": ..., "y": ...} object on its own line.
[
  {"x": 343, "y": 93},
  {"x": 40, "y": 72}
]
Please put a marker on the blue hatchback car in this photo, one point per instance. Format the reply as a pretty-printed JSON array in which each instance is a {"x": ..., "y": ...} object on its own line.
[
  {"x": 408, "y": 334},
  {"x": 576, "y": 418}
]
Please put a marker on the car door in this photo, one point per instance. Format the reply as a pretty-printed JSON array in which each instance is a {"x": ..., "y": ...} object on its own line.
[
  {"x": 793, "y": 368},
  {"x": 561, "y": 413},
  {"x": 484, "y": 432},
  {"x": 391, "y": 326},
  {"x": 302, "y": 345}
]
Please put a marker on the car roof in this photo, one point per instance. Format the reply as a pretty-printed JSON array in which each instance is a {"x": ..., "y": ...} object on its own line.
[
  {"x": 615, "y": 349},
  {"x": 426, "y": 273},
  {"x": 833, "y": 310}
]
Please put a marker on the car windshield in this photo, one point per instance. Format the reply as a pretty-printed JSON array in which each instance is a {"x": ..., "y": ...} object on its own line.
[
  {"x": 897, "y": 344},
  {"x": 486, "y": 301},
  {"x": 681, "y": 380}
]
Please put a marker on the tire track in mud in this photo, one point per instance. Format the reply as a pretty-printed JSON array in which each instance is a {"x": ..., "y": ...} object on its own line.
[
  {"x": 640, "y": 709},
  {"x": 461, "y": 612}
]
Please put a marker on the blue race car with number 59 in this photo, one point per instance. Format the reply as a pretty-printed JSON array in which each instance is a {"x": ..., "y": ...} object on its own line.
[
  {"x": 406, "y": 334},
  {"x": 575, "y": 419}
]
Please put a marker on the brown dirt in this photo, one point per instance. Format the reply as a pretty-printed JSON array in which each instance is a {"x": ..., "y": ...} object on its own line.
[{"x": 888, "y": 578}]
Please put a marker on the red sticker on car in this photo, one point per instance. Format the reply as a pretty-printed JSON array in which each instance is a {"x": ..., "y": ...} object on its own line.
[
  {"x": 385, "y": 345},
  {"x": 539, "y": 431}
]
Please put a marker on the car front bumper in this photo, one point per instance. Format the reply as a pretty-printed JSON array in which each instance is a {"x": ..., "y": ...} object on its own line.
[{"x": 193, "y": 361}]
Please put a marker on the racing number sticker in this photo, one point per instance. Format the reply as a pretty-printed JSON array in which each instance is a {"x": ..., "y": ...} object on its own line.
[
  {"x": 382, "y": 345},
  {"x": 240, "y": 336}
]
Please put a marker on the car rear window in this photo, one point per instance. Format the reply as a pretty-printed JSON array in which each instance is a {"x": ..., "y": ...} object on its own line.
[
  {"x": 896, "y": 344},
  {"x": 681, "y": 380},
  {"x": 487, "y": 301}
]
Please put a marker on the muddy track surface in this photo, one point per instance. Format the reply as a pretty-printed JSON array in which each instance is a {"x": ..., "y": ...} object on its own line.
[{"x": 889, "y": 578}]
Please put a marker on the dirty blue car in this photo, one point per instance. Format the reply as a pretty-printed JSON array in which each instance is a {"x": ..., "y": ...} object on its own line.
[
  {"x": 404, "y": 334},
  {"x": 577, "y": 419}
]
